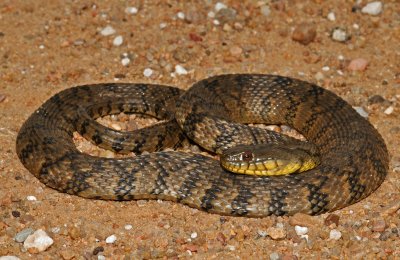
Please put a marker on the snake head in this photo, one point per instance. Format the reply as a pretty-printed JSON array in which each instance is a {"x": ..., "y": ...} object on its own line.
[{"x": 267, "y": 159}]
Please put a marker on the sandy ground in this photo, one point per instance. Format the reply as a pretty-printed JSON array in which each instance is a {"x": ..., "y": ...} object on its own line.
[{"x": 47, "y": 46}]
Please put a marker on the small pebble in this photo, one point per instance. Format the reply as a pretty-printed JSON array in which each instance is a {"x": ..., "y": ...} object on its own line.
[
  {"x": 335, "y": 234},
  {"x": 15, "y": 214},
  {"x": 101, "y": 257},
  {"x": 332, "y": 219},
  {"x": 304, "y": 220},
  {"x": 262, "y": 233},
  {"x": 358, "y": 64},
  {"x": 375, "y": 99},
  {"x": 304, "y": 33},
  {"x": 128, "y": 227},
  {"x": 236, "y": 51},
  {"x": 9, "y": 257},
  {"x": 331, "y": 16},
  {"x": 274, "y": 256},
  {"x": 391, "y": 208},
  {"x": 38, "y": 241},
  {"x": 193, "y": 235},
  {"x": 389, "y": 110},
  {"x": 125, "y": 61},
  {"x": 230, "y": 247},
  {"x": 340, "y": 35},
  {"x": 361, "y": 111},
  {"x": 107, "y": 31},
  {"x": 373, "y": 8},
  {"x": 319, "y": 76},
  {"x": 301, "y": 230},
  {"x": 385, "y": 235},
  {"x": 2, "y": 97},
  {"x": 131, "y": 10},
  {"x": 378, "y": 225},
  {"x": 67, "y": 255},
  {"x": 211, "y": 14},
  {"x": 265, "y": 10},
  {"x": 31, "y": 198},
  {"x": 326, "y": 68},
  {"x": 111, "y": 239},
  {"x": 97, "y": 250},
  {"x": 226, "y": 15},
  {"x": 219, "y": 6},
  {"x": 55, "y": 230},
  {"x": 180, "y": 70},
  {"x": 23, "y": 234},
  {"x": 118, "y": 40},
  {"x": 180, "y": 15},
  {"x": 289, "y": 257},
  {"x": 163, "y": 25},
  {"x": 148, "y": 72},
  {"x": 276, "y": 233}
]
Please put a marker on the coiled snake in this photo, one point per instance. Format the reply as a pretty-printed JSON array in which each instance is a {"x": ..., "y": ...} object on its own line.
[{"x": 354, "y": 158}]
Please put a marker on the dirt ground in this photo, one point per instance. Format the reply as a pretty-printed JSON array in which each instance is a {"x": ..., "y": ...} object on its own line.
[{"x": 48, "y": 45}]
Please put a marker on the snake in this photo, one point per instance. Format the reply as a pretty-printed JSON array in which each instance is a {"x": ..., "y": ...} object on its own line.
[{"x": 219, "y": 113}]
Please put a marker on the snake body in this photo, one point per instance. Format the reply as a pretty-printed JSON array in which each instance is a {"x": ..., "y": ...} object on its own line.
[{"x": 354, "y": 158}]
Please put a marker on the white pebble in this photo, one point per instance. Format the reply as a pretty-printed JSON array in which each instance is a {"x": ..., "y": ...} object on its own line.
[
  {"x": 108, "y": 30},
  {"x": 193, "y": 235},
  {"x": 118, "y": 40},
  {"x": 41, "y": 46},
  {"x": 325, "y": 68},
  {"x": 39, "y": 240},
  {"x": 219, "y": 6},
  {"x": 339, "y": 35},
  {"x": 180, "y": 15},
  {"x": 211, "y": 14},
  {"x": 340, "y": 57},
  {"x": 262, "y": 233},
  {"x": 265, "y": 10},
  {"x": 55, "y": 230},
  {"x": 230, "y": 247},
  {"x": 319, "y": 76},
  {"x": 125, "y": 61},
  {"x": 111, "y": 239},
  {"x": 128, "y": 227},
  {"x": 9, "y": 257},
  {"x": 373, "y": 8},
  {"x": 148, "y": 72},
  {"x": 335, "y": 234},
  {"x": 301, "y": 230},
  {"x": 274, "y": 256},
  {"x": 31, "y": 198},
  {"x": 101, "y": 257},
  {"x": 361, "y": 111},
  {"x": 131, "y": 10},
  {"x": 356, "y": 26},
  {"x": 216, "y": 22},
  {"x": 163, "y": 25},
  {"x": 180, "y": 70},
  {"x": 331, "y": 16},
  {"x": 389, "y": 110}
]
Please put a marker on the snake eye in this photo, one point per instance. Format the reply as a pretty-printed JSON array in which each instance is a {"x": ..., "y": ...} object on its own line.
[{"x": 247, "y": 156}]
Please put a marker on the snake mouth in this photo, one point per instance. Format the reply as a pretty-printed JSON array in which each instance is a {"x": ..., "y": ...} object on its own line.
[
  {"x": 268, "y": 159},
  {"x": 266, "y": 168}
]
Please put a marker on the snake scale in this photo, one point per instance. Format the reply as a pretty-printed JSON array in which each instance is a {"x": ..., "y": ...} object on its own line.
[{"x": 354, "y": 158}]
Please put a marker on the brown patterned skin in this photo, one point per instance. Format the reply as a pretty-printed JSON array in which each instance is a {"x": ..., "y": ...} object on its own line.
[{"x": 354, "y": 158}]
